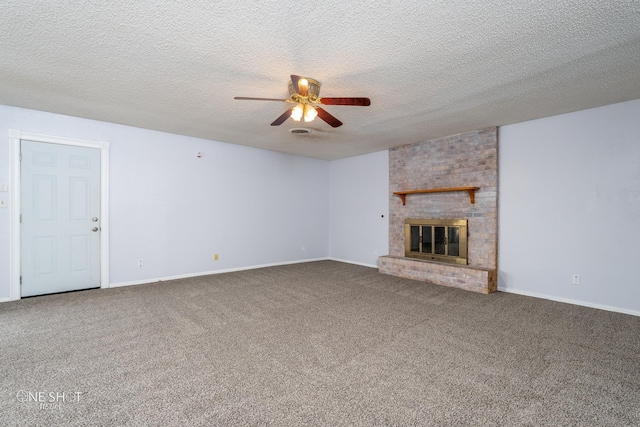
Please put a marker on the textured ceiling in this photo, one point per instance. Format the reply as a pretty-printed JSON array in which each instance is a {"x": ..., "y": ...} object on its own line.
[{"x": 431, "y": 68}]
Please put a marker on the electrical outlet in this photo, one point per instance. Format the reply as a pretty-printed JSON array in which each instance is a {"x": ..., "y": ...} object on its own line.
[
  {"x": 140, "y": 263},
  {"x": 303, "y": 248},
  {"x": 215, "y": 257},
  {"x": 576, "y": 279},
  {"x": 375, "y": 252}
]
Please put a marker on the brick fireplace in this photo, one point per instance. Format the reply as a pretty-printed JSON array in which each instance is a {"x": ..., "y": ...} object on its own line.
[{"x": 453, "y": 162}]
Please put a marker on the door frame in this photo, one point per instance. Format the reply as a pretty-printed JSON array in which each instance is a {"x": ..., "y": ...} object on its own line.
[{"x": 15, "y": 251}]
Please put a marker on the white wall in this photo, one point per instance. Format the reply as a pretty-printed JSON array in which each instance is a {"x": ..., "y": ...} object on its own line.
[
  {"x": 565, "y": 173},
  {"x": 570, "y": 204},
  {"x": 251, "y": 206},
  {"x": 359, "y": 200}
]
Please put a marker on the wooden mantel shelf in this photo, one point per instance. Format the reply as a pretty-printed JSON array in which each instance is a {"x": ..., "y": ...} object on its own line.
[{"x": 470, "y": 190}]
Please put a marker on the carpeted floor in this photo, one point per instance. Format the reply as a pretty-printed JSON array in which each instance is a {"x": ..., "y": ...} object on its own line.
[{"x": 321, "y": 344}]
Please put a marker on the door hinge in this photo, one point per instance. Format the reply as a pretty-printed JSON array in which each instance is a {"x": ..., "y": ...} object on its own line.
[{"x": 20, "y": 280}]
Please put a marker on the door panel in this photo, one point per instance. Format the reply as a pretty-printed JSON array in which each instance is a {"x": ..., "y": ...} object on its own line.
[
  {"x": 79, "y": 253},
  {"x": 60, "y": 196},
  {"x": 79, "y": 199},
  {"x": 44, "y": 198},
  {"x": 44, "y": 256}
]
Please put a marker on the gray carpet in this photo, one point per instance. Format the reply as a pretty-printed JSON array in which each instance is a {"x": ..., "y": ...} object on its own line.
[{"x": 321, "y": 343}]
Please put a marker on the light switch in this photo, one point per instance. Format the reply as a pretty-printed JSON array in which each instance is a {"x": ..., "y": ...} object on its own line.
[{"x": 4, "y": 187}]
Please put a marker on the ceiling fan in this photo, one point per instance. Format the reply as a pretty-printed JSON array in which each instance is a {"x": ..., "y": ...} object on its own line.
[{"x": 304, "y": 93}]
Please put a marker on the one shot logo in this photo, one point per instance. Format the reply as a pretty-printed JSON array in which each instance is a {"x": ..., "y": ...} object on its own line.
[{"x": 48, "y": 400}]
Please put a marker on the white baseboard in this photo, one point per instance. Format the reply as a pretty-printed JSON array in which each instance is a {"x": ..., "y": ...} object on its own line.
[
  {"x": 207, "y": 273},
  {"x": 352, "y": 262},
  {"x": 5, "y": 299},
  {"x": 570, "y": 301}
]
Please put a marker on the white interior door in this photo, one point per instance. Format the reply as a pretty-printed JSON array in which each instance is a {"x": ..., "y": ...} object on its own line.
[{"x": 60, "y": 230}]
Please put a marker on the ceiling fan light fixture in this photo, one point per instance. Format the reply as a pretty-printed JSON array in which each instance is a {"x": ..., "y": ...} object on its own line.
[
  {"x": 310, "y": 113},
  {"x": 304, "y": 93},
  {"x": 297, "y": 112}
]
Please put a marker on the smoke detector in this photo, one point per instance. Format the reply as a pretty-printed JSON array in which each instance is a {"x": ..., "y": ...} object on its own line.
[{"x": 300, "y": 131}]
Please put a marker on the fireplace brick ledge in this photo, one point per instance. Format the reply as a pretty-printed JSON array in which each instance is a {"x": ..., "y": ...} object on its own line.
[{"x": 476, "y": 279}]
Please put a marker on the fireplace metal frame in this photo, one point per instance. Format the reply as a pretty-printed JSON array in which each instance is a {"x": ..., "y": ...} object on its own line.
[{"x": 463, "y": 234}]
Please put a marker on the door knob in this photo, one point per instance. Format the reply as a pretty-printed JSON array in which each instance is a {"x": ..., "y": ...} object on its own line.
[
  {"x": 94, "y": 219},
  {"x": 94, "y": 229}
]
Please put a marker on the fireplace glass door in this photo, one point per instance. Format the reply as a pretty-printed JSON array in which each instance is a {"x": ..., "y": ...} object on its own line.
[{"x": 441, "y": 240}]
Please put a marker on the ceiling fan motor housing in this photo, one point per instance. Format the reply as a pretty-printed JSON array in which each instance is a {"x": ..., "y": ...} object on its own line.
[{"x": 314, "y": 88}]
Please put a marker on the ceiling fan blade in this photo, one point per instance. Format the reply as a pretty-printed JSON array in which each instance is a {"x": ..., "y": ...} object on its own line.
[
  {"x": 363, "y": 102},
  {"x": 333, "y": 122},
  {"x": 300, "y": 85},
  {"x": 280, "y": 120},
  {"x": 247, "y": 98}
]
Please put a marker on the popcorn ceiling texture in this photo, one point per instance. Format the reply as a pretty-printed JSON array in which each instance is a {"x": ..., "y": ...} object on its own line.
[
  {"x": 431, "y": 69},
  {"x": 465, "y": 160}
]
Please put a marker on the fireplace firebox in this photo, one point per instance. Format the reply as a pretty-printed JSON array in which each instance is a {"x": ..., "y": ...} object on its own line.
[{"x": 436, "y": 240}]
